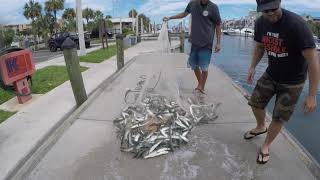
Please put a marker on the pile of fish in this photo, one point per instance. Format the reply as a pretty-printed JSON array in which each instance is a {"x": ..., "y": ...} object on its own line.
[{"x": 158, "y": 125}]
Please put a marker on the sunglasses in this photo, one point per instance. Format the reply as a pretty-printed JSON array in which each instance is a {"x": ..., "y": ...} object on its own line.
[{"x": 270, "y": 10}]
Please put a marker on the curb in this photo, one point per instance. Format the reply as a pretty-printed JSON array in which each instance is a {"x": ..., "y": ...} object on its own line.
[{"x": 48, "y": 141}]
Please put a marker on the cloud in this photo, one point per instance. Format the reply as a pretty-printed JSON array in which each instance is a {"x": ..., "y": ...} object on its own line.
[
  {"x": 102, "y": 5},
  {"x": 12, "y": 10},
  {"x": 157, "y": 7}
]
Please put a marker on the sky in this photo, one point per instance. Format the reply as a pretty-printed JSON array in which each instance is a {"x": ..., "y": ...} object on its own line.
[{"x": 11, "y": 11}]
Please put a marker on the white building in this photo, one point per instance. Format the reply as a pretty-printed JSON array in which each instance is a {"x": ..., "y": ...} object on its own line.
[
  {"x": 120, "y": 23},
  {"x": 18, "y": 27},
  {"x": 316, "y": 19},
  {"x": 309, "y": 18}
]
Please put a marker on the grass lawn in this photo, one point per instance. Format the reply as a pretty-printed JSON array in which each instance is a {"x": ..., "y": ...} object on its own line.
[
  {"x": 5, "y": 95},
  {"x": 44, "y": 80},
  {"x": 99, "y": 55},
  {"x": 5, "y": 115}
]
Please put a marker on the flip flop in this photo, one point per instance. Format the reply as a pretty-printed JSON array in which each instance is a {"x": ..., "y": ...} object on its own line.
[
  {"x": 201, "y": 91},
  {"x": 252, "y": 134},
  {"x": 262, "y": 155}
]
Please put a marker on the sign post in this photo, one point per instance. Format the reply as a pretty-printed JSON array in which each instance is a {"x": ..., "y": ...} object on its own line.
[{"x": 15, "y": 67}]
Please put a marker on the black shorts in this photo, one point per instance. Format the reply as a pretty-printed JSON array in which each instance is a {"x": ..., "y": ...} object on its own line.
[{"x": 286, "y": 97}]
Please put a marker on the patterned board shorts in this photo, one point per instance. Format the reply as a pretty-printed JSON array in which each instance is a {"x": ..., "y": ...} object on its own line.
[{"x": 286, "y": 97}]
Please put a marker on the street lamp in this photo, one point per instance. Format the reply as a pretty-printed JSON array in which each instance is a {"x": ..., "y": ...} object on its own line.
[{"x": 80, "y": 28}]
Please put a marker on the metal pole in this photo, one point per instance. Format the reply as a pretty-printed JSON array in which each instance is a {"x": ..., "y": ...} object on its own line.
[
  {"x": 182, "y": 38},
  {"x": 80, "y": 28},
  {"x": 169, "y": 34},
  {"x": 73, "y": 68},
  {"x": 132, "y": 24},
  {"x": 120, "y": 26},
  {"x": 101, "y": 33},
  {"x": 142, "y": 28},
  {"x": 137, "y": 26},
  {"x": 137, "y": 30},
  {"x": 120, "y": 51},
  {"x": 105, "y": 32},
  {"x": 184, "y": 25}
]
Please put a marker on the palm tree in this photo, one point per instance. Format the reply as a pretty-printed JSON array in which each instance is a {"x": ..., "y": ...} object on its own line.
[
  {"x": 108, "y": 16},
  {"x": 71, "y": 25},
  {"x": 7, "y": 37},
  {"x": 43, "y": 25},
  {"x": 88, "y": 14},
  {"x": 54, "y": 6},
  {"x": 69, "y": 14},
  {"x": 32, "y": 10},
  {"x": 145, "y": 19},
  {"x": 98, "y": 15},
  {"x": 133, "y": 13}
]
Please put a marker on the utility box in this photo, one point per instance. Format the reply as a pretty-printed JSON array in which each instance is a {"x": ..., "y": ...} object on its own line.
[{"x": 15, "y": 66}]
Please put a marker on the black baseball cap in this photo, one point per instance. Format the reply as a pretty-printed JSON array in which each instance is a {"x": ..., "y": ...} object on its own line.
[{"x": 263, "y": 5}]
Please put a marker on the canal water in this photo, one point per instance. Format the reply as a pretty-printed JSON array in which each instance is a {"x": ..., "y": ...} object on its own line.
[{"x": 234, "y": 59}]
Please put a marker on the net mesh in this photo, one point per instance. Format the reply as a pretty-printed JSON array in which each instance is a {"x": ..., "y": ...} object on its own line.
[{"x": 163, "y": 39}]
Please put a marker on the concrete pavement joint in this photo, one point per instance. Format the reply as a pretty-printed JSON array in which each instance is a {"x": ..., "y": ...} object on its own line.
[{"x": 89, "y": 119}]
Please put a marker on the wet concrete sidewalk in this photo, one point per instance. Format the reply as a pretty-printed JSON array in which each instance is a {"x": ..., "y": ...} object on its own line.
[
  {"x": 89, "y": 149},
  {"x": 23, "y": 134}
]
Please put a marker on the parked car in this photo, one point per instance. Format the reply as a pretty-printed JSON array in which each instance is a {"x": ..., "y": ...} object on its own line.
[
  {"x": 95, "y": 33},
  {"x": 57, "y": 40},
  {"x": 15, "y": 44}
]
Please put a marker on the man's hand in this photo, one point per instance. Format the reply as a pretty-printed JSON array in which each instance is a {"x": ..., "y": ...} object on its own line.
[
  {"x": 217, "y": 48},
  {"x": 166, "y": 18},
  {"x": 250, "y": 76},
  {"x": 310, "y": 104}
]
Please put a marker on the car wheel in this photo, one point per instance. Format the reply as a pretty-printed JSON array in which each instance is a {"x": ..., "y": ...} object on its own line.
[{"x": 53, "y": 47}]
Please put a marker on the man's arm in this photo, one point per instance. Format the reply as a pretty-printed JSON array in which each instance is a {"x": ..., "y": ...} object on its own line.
[
  {"x": 218, "y": 34},
  {"x": 311, "y": 56},
  {"x": 257, "y": 56},
  {"x": 178, "y": 16}
]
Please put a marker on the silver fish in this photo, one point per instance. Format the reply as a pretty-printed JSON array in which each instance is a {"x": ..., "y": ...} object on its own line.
[
  {"x": 154, "y": 146},
  {"x": 157, "y": 153}
]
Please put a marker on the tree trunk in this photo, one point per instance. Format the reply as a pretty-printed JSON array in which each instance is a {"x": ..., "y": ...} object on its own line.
[
  {"x": 35, "y": 38},
  {"x": 55, "y": 21}
]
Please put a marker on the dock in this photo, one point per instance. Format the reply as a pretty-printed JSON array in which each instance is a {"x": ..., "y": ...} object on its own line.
[{"x": 89, "y": 149}]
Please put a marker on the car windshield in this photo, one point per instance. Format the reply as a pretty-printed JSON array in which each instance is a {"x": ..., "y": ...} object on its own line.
[{"x": 73, "y": 34}]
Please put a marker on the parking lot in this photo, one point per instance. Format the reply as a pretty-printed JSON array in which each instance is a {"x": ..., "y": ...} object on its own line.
[{"x": 45, "y": 55}]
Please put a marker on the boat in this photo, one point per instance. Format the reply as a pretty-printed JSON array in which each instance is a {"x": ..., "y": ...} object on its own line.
[
  {"x": 248, "y": 32},
  {"x": 231, "y": 32}
]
